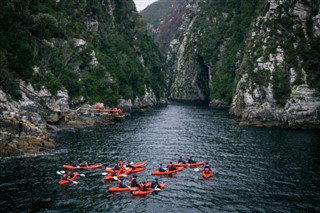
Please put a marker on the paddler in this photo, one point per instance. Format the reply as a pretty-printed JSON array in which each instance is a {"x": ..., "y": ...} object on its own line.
[
  {"x": 171, "y": 167},
  {"x": 143, "y": 187},
  {"x": 190, "y": 161},
  {"x": 133, "y": 181},
  {"x": 207, "y": 168},
  {"x": 75, "y": 163},
  {"x": 155, "y": 184},
  {"x": 121, "y": 184},
  {"x": 161, "y": 169},
  {"x": 180, "y": 160}
]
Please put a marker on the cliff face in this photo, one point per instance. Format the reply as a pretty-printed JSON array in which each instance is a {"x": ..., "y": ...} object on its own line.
[
  {"x": 259, "y": 57},
  {"x": 279, "y": 72}
]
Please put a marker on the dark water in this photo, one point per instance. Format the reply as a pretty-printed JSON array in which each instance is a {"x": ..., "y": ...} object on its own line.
[{"x": 255, "y": 169}]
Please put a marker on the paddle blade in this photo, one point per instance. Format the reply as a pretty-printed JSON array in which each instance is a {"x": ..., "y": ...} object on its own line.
[
  {"x": 75, "y": 182},
  {"x": 157, "y": 189},
  {"x": 62, "y": 172},
  {"x": 59, "y": 173},
  {"x": 104, "y": 173},
  {"x": 115, "y": 178},
  {"x": 82, "y": 175},
  {"x": 196, "y": 169}
]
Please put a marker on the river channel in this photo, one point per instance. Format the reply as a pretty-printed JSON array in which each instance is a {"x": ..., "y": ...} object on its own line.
[{"x": 255, "y": 169}]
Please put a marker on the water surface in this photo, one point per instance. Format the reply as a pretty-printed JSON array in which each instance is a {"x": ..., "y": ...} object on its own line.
[{"x": 255, "y": 169}]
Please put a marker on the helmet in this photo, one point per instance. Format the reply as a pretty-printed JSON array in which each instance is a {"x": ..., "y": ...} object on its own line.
[
  {"x": 160, "y": 164},
  {"x": 156, "y": 178},
  {"x": 134, "y": 175}
]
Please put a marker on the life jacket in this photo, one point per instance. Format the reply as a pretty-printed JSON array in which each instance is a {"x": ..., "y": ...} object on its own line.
[
  {"x": 114, "y": 174},
  {"x": 119, "y": 183},
  {"x": 160, "y": 168},
  {"x": 206, "y": 170},
  {"x": 116, "y": 167},
  {"x": 69, "y": 174},
  {"x": 142, "y": 187},
  {"x": 132, "y": 180},
  {"x": 120, "y": 163}
]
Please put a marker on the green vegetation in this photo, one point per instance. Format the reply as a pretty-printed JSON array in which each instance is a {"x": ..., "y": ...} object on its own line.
[
  {"x": 223, "y": 26},
  {"x": 155, "y": 12},
  {"x": 43, "y": 33}
]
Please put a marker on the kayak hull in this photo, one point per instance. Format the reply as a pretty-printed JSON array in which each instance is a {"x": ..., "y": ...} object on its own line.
[
  {"x": 94, "y": 166},
  {"x": 118, "y": 189},
  {"x": 137, "y": 169},
  {"x": 189, "y": 164},
  {"x": 139, "y": 164},
  {"x": 62, "y": 182},
  {"x": 120, "y": 171},
  {"x": 167, "y": 172},
  {"x": 206, "y": 175},
  {"x": 142, "y": 193}
]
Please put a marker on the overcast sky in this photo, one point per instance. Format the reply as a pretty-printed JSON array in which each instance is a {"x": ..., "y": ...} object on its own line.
[{"x": 141, "y": 4}]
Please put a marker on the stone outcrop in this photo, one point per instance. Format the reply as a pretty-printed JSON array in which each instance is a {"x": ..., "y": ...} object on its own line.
[
  {"x": 23, "y": 127},
  {"x": 281, "y": 96}
]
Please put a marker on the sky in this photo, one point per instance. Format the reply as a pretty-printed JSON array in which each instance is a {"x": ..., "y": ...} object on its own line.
[{"x": 141, "y": 4}]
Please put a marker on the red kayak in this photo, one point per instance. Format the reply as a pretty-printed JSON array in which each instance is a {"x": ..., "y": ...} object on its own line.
[
  {"x": 69, "y": 181},
  {"x": 206, "y": 175},
  {"x": 139, "y": 164},
  {"x": 189, "y": 164},
  {"x": 120, "y": 171},
  {"x": 94, "y": 166},
  {"x": 167, "y": 172},
  {"x": 118, "y": 189},
  {"x": 141, "y": 193},
  {"x": 137, "y": 169},
  {"x": 111, "y": 178}
]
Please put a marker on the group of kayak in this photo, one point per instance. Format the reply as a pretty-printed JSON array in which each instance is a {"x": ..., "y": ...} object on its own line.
[{"x": 121, "y": 170}]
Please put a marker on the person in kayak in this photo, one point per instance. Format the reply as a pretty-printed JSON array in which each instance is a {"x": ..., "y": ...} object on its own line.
[
  {"x": 155, "y": 184},
  {"x": 190, "y": 160},
  {"x": 180, "y": 160},
  {"x": 116, "y": 167},
  {"x": 143, "y": 187},
  {"x": 121, "y": 184},
  {"x": 130, "y": 166},
  {"x": 68, "y": 175},
  {"x": 114, "y": 173},
  {"x": 171, "y": 167},
  {"x": 121, "y": 163},
  {"x": 207, "y": 168},
  {"x": 161, "y": 169},
  {"x": 75, "y": 163},
  {"x": 133, "y": 181}
]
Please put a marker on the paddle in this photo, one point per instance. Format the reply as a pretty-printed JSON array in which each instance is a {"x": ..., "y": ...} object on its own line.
[
  {"x": 196, "y": 169},
  {"x": 82, "y": 175}
]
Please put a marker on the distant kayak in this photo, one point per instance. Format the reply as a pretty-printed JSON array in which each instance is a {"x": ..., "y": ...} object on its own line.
[
  {"x": 189, "y": 164},
  {"x": 206, "y": 175},
  {"x": 118, "y": 189},
  {"x": 139, "y": 164},
  {"x": 137, "y": 169},
  {"x": 167, "y": 172},
  {"x": 94, "y": 166},
  {"x": 141, "y": 193},
  {"x": 120, "y": 171},
  {"x": 75, "y": 175}
]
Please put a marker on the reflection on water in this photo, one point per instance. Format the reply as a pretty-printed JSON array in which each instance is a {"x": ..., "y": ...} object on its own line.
[{"x": 255, "y": 169}]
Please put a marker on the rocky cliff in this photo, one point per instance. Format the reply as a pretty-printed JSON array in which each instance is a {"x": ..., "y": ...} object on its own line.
[
  {"x": 278, "y": 76},
  {"x": 59, "y": 55},
  {"x": 259, "y": 57}
]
